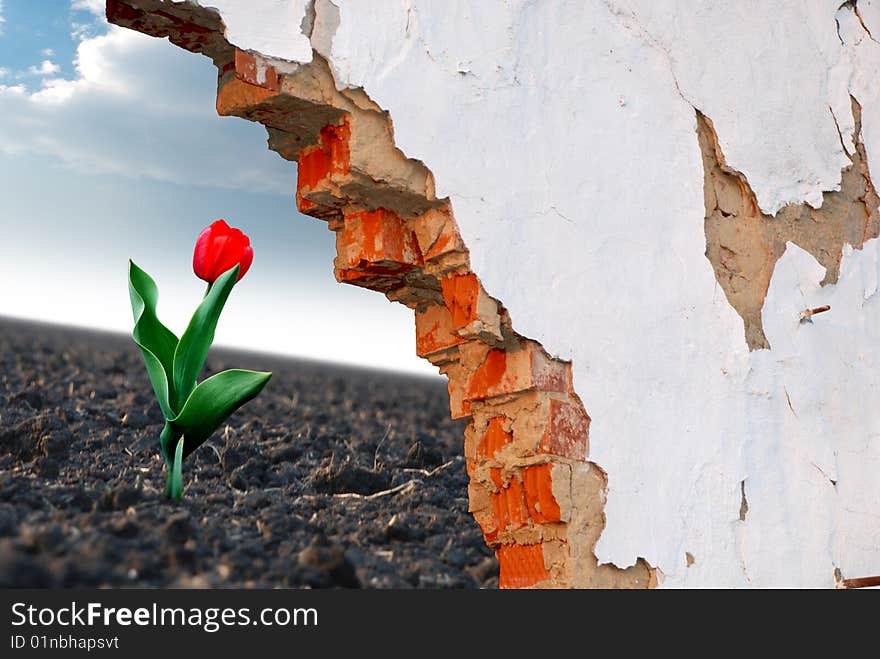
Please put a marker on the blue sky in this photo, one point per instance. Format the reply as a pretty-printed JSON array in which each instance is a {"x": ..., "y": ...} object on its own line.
[
  {"x": 110, "y": 148},
  {"x": 35, "y": 31}
]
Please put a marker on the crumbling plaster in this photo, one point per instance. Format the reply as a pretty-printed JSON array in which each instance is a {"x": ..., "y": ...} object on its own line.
[{"x": 564, "y": 134}]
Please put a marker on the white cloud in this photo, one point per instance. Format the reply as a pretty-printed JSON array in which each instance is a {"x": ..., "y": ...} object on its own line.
[
  {"x": 85, "y": 29},
  {"x": 46, "y": 68},
  {"x": 94, "y": 6},
  {"x": 140, "y": 107},
  {"x": 3, "y": 72},
  {"x": 47, "y": 52}
]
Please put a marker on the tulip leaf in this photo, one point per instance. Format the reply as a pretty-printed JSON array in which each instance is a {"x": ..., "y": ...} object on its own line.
[
  {"x": 211, "y": 403},
  {"x": 191, "y": 351},
  {"x": 167, "y": 440},
  {"x": 175, "y": 484},
  {"x": 157, "y": 342}
]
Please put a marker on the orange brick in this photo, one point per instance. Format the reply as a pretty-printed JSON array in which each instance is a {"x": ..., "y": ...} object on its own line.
[
  {"x": 489, "y": 526},
  {"x": 375, "y": 249},
  {"x": 330, "y": 157},
  {"x": 489, "y": 375},
  {"x": 495, "y": 438},
  {"x": 567, "y": 432},
  {"x": 538, "y": 486},
  {"x": 460, "y": 293},
  {"x": 249, "y": 70},
  {"x": 505, "y": 372},
  {"x": 448, "y": 241},
  {"x": 459, "y": 407},
  {"x": 434, "y": 331},
  {"x": 437, "y": 233},
  {"x": 508, "y": 504},
  {"x": 470, "y": 466},
  {"x": 312, "y": 209},
  {"x": 521, "y": 566},
  {"x": 236, "y": 97},
  {"x": 380, "y": 237}
]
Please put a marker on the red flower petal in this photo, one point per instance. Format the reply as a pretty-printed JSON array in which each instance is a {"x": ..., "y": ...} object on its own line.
[
  {"x": 218, "y": 249},
  {"x": 246, "y": 260}
]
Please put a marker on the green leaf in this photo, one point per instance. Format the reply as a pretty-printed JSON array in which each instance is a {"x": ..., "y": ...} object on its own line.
[
  {"x": 176, "y": 483},
  {"x": 167, "y": 440},
  {"x": 191, "y": 351},
  {"x": 211, "y": 403},
  {"x": 157, "y": 342}
]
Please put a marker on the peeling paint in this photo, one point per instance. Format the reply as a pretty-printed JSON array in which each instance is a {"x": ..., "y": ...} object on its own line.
[{"x": 743, "y": 244}]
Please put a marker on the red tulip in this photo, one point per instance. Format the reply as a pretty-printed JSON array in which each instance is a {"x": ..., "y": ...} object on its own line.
[{"x": 220, "y": 248}]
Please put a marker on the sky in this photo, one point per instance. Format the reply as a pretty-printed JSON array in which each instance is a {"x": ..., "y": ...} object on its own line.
[{"x": 110, "y": 149}]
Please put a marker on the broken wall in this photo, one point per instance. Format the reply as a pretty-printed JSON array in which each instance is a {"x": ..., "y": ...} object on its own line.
[{"x": 653, "y": 192}]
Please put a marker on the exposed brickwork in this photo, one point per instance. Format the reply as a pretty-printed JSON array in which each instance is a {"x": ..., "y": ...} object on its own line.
[
  {"x": 537, "y": 499},
  {"x": 435, "y": 337},
  {"x": 324, "y": 166},
  {"x": 375, "y": 249},
  {"x": 522, "y": 566}
]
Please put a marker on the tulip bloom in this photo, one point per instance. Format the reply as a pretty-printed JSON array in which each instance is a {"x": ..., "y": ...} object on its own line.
[
  {"x": 220, "y": 248},
  {"x": 193, "y": 410}
]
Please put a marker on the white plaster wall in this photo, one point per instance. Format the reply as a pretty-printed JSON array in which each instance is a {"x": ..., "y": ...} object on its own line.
[
  {"x": 765, "y": 73},
  {"x": 564, "y": 133},
  {"x": 265, "y": 26}
]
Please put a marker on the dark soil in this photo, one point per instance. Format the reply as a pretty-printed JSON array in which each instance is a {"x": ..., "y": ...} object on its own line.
[{"x": 279, "y": 497}]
